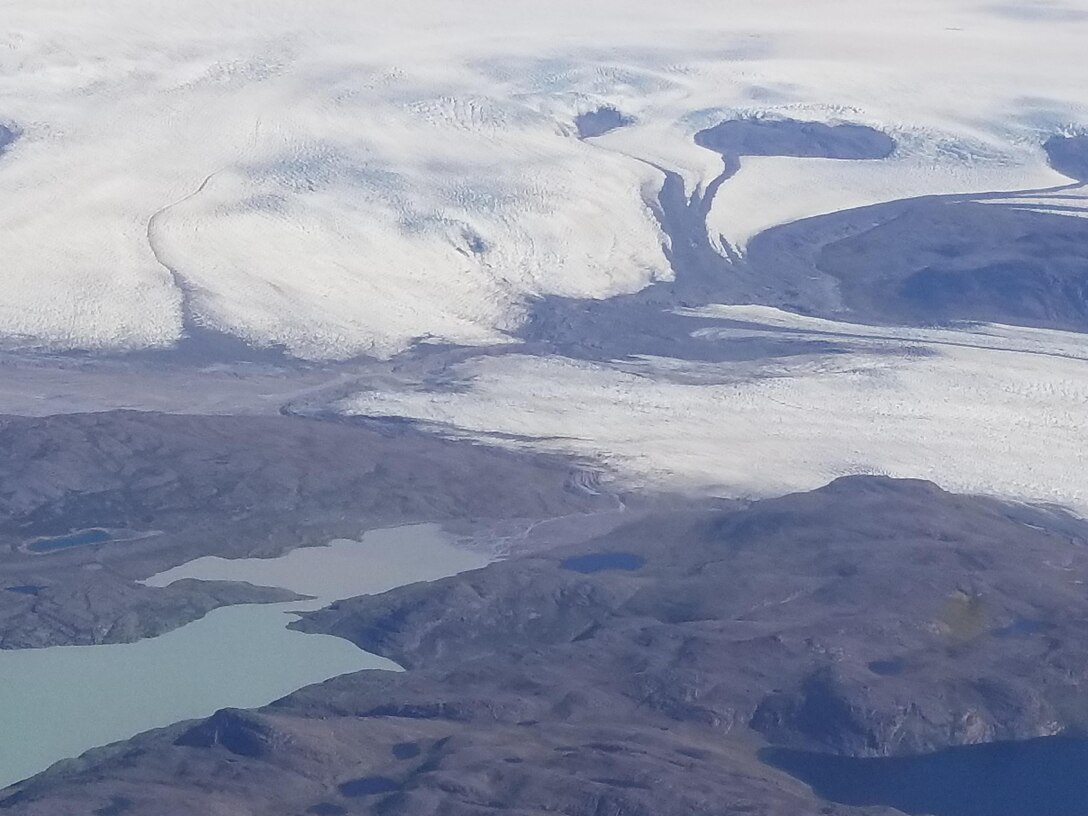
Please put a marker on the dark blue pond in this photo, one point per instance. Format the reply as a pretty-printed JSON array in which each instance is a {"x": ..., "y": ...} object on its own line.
[
  {"x": 888, "y": 668},
  {"x": 1041, "y": 777},
  {"x": 78, "y": 539},
  {"x": 406, "y": 750},
  {"x": 25, "y": 589},
  {"x": 599, "y": 562},
  {"x": 369, "y": 786}
]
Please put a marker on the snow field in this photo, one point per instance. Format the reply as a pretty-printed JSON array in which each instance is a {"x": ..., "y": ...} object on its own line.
[
  {"x": 371, "y": 173},
  {"x": 994, "y": 410}
]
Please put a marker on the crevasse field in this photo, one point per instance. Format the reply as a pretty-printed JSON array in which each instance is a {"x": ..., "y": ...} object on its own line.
[
  {"x": 979, "y": 411},
  {"x": 359, "y": 177}
]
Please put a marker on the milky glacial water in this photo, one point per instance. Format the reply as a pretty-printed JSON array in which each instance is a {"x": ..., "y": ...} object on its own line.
[
  {"x": 60, "y": 701},
  {"x": 382, "y": 560}
]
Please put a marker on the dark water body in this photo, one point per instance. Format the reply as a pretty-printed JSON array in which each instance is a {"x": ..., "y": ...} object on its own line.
[
  {"x": 369, "y": 786},
  {"x": 599, "y": 562},
  {"x": 406, "y": 750},
  {"x": 25, "y": 589},
  {"x": 1041, "y": 777},
  {"x": 888, "y": 668},
  {"x": 64, "y": 542}
]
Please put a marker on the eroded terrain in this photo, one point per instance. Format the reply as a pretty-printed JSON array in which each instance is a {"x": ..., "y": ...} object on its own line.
[
  {"x": 279, "y": 276},
  {"x": 172, "y": 488},
  {"x": 869, "y": 618}
]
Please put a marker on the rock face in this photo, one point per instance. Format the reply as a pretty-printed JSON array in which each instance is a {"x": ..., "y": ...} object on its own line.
[
  {"x": 1024, "y": 268},
  {"x": 171, "y": 488},
  {"x": 1069, "y": 155},
  {"x": 790, "y": 137},
  {"x": 932, "y": 261},
  {"x": 600, "y": 121},
  {"x": 104, "y": 608},
  {"x": 7, "y": 136},
  {"x": 642, "y": 672}
]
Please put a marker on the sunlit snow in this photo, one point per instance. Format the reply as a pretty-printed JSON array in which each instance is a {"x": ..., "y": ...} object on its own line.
[
  {"x": 989, "y": 409},
  {"x": 344, "y": 177}
]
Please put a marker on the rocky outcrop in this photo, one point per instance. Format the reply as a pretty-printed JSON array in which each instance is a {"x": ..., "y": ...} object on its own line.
[
  {"x": 170, "y": 488},
  {"x": 869, "y": 618}
]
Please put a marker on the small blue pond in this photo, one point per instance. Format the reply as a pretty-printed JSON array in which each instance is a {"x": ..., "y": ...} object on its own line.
[
  {"x": 369, "y": 786},
  {"x": 80, "y": 538},
  {"x": 1040, "y": 777},
  {"x": 25, "y": 589},
  {"x": 599, "y": 562}
]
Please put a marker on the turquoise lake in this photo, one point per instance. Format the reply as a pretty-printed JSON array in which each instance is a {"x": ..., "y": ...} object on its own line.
[{"x": 60, "y": 701}]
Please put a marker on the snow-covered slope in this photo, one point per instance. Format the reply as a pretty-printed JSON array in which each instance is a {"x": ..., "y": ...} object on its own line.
[
  {"x": 342, "y": 176},
  {"x": 987, "y": 409},
  {"x": 790, "y": 189}
]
